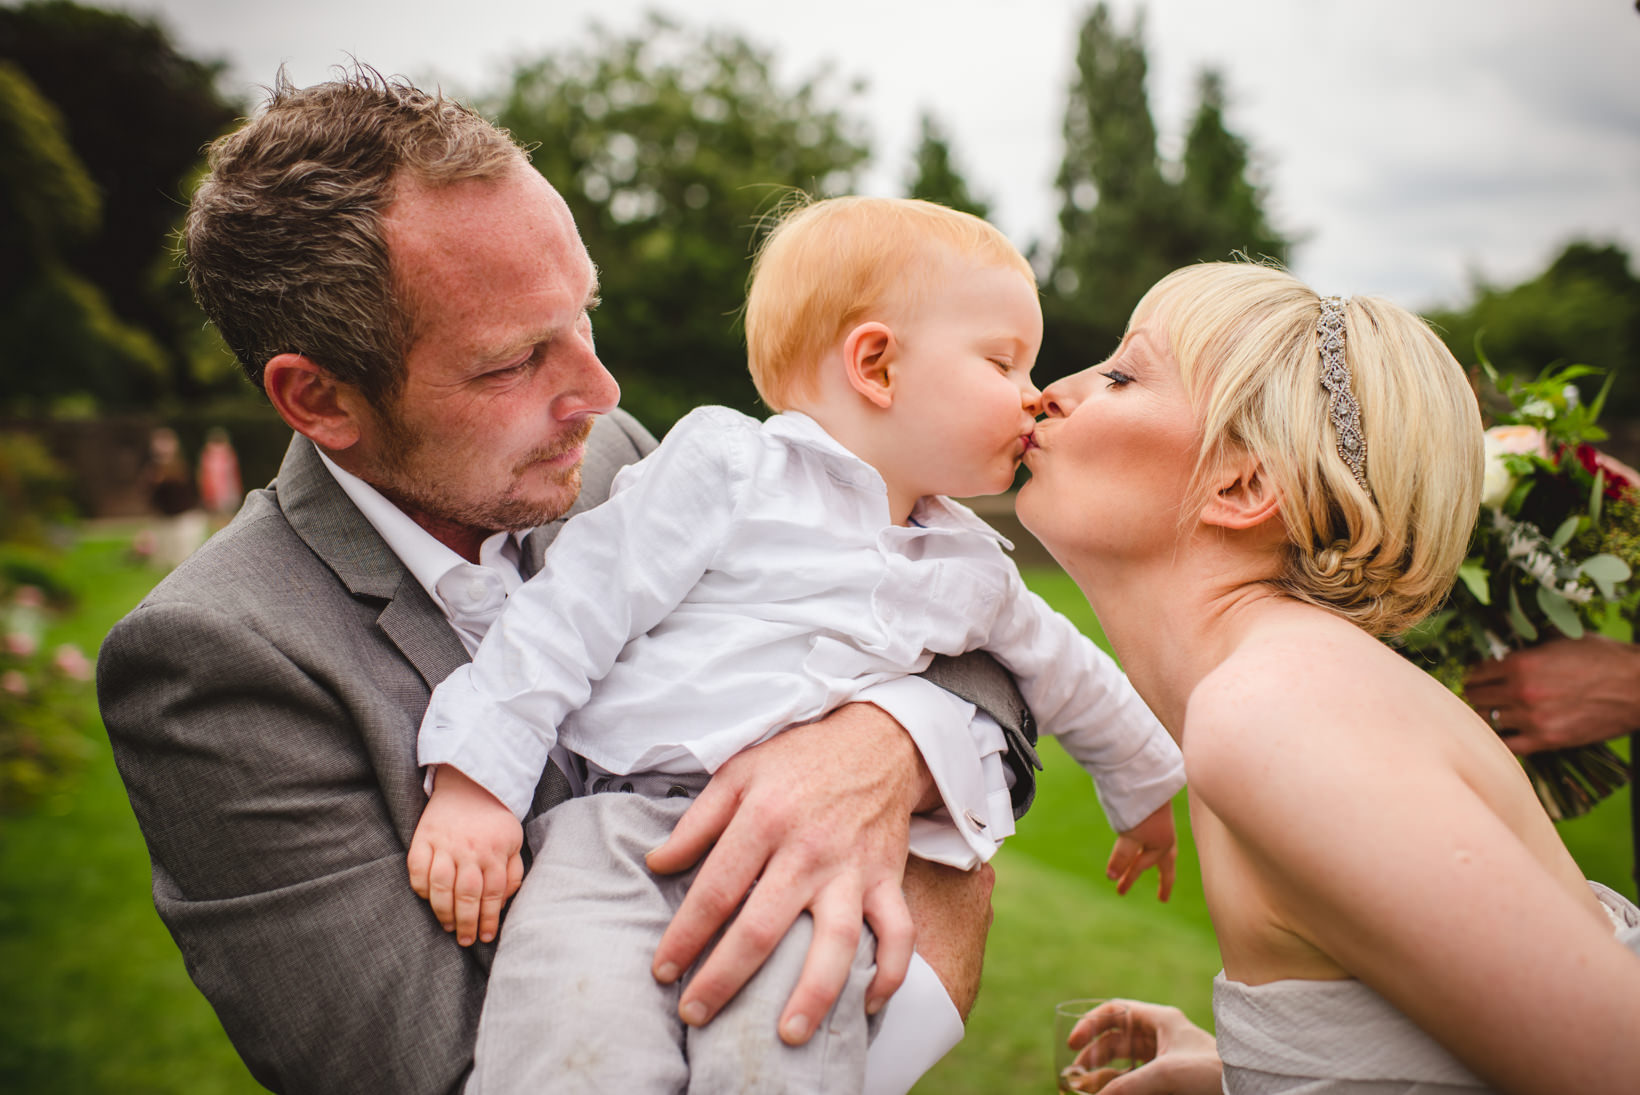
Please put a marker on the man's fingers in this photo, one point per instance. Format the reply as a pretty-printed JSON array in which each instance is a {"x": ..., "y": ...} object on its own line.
[
  {"x": 1168, "y": 868},
  {"x": 831, "y": 954},
  {"x": 890, "y": 921},
  {"x": 701, "y": 825},
  {"x": 713, "y": 897},
  {"x": 764, "y": 919}
]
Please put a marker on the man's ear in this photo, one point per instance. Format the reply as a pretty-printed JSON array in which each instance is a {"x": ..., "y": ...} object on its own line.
[
  {"x": 1244, "y": 495},
  {"x": 868, "y": 351},
  {"x": 313, "y": 402}
]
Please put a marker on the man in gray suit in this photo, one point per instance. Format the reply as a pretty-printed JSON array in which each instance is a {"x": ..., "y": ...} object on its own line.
[{"x": 414, "y": 300}]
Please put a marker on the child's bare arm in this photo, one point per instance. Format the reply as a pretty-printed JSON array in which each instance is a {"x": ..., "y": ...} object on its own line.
[
  {"x": 1151, "y": 843},
  {"x": 464, "y": 859}
]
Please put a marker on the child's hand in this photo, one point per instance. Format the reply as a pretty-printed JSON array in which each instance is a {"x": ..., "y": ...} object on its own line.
[
  {"x": 1152, "y": 842},
  {"x": 464, "y": 859}
]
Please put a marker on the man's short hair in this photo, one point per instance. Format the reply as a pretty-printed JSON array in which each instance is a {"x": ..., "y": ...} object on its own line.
[
  {"x": 283, "y": 242},
  {"x": 827, "y": 264}
]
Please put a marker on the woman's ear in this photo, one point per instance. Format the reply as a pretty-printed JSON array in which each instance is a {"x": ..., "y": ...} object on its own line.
[
  {"x": 1244, "y": 495},
  {"x": 313, "y": 402},
  {"x": 868, "y": 351}
]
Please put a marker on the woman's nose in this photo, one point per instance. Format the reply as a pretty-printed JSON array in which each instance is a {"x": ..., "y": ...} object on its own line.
[{"x": 1060, "y": 398}]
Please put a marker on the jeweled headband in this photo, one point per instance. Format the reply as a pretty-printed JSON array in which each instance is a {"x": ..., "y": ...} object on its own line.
[{"x": 1342, "y": 408}]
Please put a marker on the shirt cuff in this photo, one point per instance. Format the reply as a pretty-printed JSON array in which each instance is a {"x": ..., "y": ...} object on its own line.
[
  {"x": 919, "y": 1026},
  {"x": 1140, "y": 785},
  {"x": 954, "y": 738},
  {"x": 499, "y": 752}
]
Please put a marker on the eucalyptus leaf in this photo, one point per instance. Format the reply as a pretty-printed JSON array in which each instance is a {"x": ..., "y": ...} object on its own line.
[
  {"x": 1597, "y": 496},
  {"x": 1563, "y": 535},
  {"x": 1560, "y": 612},
  {"x": 1605, "y": 571},
  {"x": 1517, "y": 619}
]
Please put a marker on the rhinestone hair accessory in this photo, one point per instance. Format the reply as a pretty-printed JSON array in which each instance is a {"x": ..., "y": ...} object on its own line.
[{"x": 1342, "y": 408}]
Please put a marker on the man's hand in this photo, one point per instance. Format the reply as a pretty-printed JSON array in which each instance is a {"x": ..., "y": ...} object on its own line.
[
  {"x": 1151, "y": 843},
  {"x": 1558, "y": 694},
  {"x": 1180, "y": 1057},
  {"x": 817, "y": 818},
  {"x": 464, "y": 859}
]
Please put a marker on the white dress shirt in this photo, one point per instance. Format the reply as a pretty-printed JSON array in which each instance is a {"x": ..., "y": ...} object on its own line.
[
  {"x": 745, "y": 578},
  {"x": 920, "y": 1025}
]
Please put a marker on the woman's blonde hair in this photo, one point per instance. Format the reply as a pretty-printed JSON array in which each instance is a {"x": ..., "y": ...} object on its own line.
[
  {"x": 1245, "y": 340},
  {"x": 827, "y": 264}
]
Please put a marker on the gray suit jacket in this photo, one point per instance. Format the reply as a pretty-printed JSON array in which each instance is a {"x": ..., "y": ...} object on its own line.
[{"x": 263, "y": 703}]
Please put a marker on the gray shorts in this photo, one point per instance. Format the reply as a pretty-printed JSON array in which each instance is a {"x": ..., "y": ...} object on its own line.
[{"x": 572, "y": 1006}]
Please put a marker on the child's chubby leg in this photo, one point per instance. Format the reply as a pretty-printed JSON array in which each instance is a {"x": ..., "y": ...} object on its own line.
[
  {"x": 741, "y": 1050},
  {"x": 571, "y": 1004}
]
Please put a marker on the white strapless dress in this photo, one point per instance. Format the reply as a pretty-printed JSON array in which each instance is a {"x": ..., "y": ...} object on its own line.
[{"x": 1342, "y": 1038}]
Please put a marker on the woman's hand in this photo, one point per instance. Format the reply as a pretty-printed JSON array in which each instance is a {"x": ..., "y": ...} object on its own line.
[{"x": 1180, "y": 1057}]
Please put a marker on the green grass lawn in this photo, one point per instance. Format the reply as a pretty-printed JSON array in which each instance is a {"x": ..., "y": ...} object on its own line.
[{"x": 96, "y": 998}]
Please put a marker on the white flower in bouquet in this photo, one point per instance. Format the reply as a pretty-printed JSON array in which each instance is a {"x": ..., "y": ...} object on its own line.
[{"x": 1502, "y": 442}]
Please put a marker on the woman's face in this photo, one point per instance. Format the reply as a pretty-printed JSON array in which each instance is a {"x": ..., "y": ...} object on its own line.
[{"x": 1111, "y": 463}]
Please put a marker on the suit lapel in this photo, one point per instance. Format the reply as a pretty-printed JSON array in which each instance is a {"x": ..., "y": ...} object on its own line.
[{"x": 325, "y": 518}]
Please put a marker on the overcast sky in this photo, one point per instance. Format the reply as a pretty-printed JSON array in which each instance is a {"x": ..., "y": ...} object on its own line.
[{"x": 1411, "y": 144}]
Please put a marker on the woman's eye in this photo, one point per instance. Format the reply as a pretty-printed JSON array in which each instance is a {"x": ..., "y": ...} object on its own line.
[{"x": 1116, "y": 377}]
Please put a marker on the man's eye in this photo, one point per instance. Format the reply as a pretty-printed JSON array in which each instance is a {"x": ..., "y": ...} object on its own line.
[{"x": 1116, "y": 377}]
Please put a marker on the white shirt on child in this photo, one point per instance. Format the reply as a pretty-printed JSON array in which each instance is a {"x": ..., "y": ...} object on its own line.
[{"x": 745, "y": 578}]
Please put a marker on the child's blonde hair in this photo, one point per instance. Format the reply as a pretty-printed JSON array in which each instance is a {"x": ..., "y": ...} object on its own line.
[
  {"x": 1245, "y": 340},
  {"x": 828, "y": 264}
]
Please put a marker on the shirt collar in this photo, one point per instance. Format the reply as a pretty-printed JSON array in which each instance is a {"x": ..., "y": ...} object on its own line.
[
  {"x": 931, "y": 511},
  {"x": 428, "y": 560}
]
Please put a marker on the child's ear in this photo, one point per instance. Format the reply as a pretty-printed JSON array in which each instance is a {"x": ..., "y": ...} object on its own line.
[
  {"x": 314, "y": 403},
  {"x": 1244, "y": 496},
  {"x": 868, "y": 351}
]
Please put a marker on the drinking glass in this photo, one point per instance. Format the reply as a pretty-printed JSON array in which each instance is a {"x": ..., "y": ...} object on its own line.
[{"x": 1109, "y": 1052}]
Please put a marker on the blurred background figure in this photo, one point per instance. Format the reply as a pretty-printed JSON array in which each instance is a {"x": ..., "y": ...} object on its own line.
[
  {"x": 220, "y": 489},
  {"x": 179, "y": 525}
]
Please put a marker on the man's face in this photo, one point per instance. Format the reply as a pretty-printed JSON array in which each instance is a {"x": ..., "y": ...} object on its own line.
[{"x": 502, "y": 384}]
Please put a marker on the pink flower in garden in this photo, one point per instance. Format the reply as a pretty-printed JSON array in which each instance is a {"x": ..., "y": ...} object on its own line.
[
  {"x": 71, "y": 663},
  {"x": 28, "y": 597},
  {"x": 14, "y": 682},
  {"x": 20, "y": 644}
]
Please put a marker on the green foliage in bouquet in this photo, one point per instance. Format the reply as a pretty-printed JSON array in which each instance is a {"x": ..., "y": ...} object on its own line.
[{"x": 1555, "y": 548}]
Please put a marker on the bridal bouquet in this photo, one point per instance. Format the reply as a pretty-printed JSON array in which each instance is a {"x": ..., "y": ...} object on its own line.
[{"x": 1554, "y": 549}]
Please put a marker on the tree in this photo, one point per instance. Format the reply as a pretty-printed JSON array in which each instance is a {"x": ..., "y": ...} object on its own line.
[
  {"x": 1224, "y": 206},
  {"x": 1118, "y": 215},
  {"x": 136, "y": 114},
  {"x": 669, "y": 146},
  {"x": 57, "y": 333},
  {"x": 1583, "y": 309},
  {"x": 935, "y": 177},
  {"x": 1122, "y": 222}
]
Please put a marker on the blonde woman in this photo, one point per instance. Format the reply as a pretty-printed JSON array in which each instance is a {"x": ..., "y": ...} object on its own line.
[{"x": 1253, "y": 489}]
